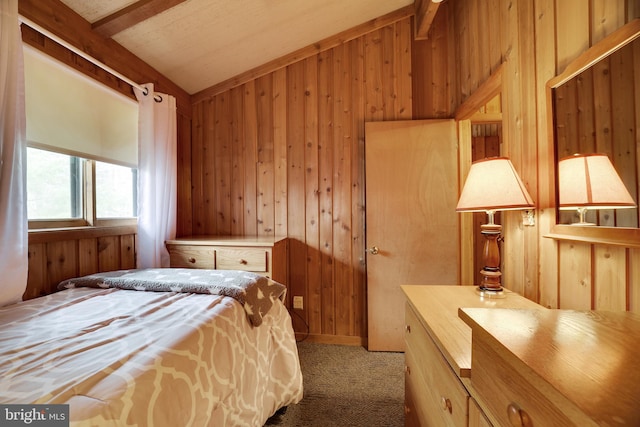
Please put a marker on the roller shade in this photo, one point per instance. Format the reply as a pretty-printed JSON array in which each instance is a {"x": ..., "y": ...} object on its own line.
[{"x": 73, "y": 114}]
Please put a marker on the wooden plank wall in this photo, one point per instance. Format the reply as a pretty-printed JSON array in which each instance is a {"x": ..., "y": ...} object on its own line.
[
  {"x": 283, "y": 154},
  {"x": 58, "y": 255},
  {"x": 536, "y": 40}
]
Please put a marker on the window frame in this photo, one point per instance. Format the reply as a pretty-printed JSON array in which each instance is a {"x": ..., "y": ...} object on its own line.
[{"x": 88, "y": 208}]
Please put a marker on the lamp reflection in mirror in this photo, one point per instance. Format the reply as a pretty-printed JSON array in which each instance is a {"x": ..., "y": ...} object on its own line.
[
  {"x": 590, "y": 181},
  {"x": 492, "y": 185}
]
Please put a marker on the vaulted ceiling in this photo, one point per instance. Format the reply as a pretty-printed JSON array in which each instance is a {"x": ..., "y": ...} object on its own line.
[{"x": 200, "y": 43}]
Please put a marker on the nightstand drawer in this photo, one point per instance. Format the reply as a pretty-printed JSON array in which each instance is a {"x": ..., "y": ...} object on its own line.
[
  {"x": 435, "y": 387},
  {"x": 267, "y": 256},
  {"x": 192, "y": 257},
  {"x": 510, "y": 396},
  {"x": 246, "y": 259}
]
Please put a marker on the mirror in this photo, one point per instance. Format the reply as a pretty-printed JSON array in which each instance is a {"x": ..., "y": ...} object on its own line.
[{"x": 596, "y": 109}]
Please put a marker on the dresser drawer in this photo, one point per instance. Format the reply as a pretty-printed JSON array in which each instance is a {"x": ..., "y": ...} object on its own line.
[
  {"x": 418, "y": 404},
  {"x": 246, "y": 259},
  {"x": 192, "y": 257},
  {"x": 435, "y": 387},
  {"x": 511, "y": 398},
  {"x": 476, "y": 416}
]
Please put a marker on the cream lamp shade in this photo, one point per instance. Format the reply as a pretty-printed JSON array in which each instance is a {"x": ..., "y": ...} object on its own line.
[
  {"x": 590, "y": 180},
  {"x": 493, "y": 185}
]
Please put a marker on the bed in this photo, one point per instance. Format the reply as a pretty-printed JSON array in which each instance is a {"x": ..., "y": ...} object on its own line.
[{"x": 161, "y": 349}]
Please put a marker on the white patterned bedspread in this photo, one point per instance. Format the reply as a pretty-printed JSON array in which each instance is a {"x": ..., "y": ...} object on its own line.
[{"x": 128, "y": 358}]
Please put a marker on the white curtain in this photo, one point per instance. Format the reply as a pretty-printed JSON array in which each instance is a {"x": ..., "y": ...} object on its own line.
[
  {"x": 14, "y": 225},
  {"x": 157, "y": 176}
]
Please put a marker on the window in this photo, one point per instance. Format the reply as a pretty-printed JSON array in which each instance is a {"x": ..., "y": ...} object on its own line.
[
  {"x": 66, "y": 191},
  {"x": 116, "y": 195},
  {"x": 83, "y": 148},
  {"x": 54, "y": 185}
]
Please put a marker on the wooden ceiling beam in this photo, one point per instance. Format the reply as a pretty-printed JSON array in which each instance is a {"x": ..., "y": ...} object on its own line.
[
  {"x": 132, "y": 15},
  {"x": 62, "y": 21},
  {"x": 425, "y": 13}
]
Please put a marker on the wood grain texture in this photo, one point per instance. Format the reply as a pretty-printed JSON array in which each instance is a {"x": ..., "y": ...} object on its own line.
[
  {"x": 56, "y": 17},
  {"x": 576, "y": 291},
  {"x": 595, "y": 112},
  {"x": 425, "y": 14},
  {"x": 301, "y": 149},
  {"x": 610, "y": 278},
  {"x": 131, "y": 15},
  {"x": 536, "y": 41},
  {"x": 552, "y": 363},
  {"x": 306, "y": 52},
  {"x": 419, "y": 157},
  {"x": 634, "y": 280},
  {"x": 437, "y": 306},
  {"x": 265, "y": 255},
  {"x": 59, "y": 255}
]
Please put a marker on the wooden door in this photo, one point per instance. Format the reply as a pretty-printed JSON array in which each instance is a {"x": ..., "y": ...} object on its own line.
[{"x": 411, "y": 196}]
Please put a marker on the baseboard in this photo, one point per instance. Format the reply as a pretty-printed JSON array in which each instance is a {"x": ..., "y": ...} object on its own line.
[{"x": 332, "y": 339}]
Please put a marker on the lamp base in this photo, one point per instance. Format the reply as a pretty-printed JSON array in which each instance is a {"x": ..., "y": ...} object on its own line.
[{"x": 491, "y": 292}]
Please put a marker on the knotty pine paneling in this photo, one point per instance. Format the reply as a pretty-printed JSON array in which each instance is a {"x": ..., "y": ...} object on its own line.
[
  {"x": 57, "y": 256},
  {"x": 536, "y": 40},
  {"x": 284, "y": 155}
]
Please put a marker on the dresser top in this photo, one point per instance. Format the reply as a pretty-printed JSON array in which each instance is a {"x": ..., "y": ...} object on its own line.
[
  {"x": 590, "y": 357},
  {"x": 437, "y": 308},
  {"x": 211, "y": 240}
]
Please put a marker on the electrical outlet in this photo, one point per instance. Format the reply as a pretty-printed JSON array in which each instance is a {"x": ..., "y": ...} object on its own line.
[{"x": 298, "y": 303}]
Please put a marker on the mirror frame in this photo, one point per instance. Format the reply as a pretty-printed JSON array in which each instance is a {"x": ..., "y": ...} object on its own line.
[{"x": 621, "y": 236}]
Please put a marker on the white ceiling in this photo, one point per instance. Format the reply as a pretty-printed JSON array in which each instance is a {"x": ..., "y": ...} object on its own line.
[{"x": 200, "y": 43}]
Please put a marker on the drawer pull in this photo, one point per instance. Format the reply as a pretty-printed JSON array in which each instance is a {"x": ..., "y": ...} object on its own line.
[
  {"x": 408, "y": 328},
  {"x": 243, "y": 262},
  {"x": 407, "y": 369},
  {"x": 446, "y": 404},
  {"x": 518, "y": 417},
  {"x": 192, "y": 260}
]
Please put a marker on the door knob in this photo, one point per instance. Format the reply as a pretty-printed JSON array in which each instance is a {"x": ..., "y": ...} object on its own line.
[{"x": 373, "y": 250}]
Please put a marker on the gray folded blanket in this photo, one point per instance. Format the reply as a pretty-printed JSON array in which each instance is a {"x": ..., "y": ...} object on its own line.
[{"x": 256, "y": 293}]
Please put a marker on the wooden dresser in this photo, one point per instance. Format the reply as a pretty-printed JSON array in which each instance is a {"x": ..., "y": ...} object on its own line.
[
  {"x": 438, "y": 354},
  {"x": 556, "y": 367},
  {"x": 263, "y": 255},
  {"x": 510, "y": 362}
]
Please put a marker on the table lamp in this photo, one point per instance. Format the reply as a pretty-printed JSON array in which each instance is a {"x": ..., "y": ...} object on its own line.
[
  {"x": 590, "y": 181},
  {"x": 492, "y": 185}
]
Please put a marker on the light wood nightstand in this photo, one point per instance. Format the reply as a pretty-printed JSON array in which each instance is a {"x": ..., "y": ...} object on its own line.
[{"x": 267, "y": 256}]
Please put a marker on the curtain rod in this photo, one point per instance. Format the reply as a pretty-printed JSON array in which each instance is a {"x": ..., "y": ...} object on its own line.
[{"x": 81, "y": 53}]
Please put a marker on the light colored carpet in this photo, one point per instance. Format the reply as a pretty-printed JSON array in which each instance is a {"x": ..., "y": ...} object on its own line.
[{"x": 346, "y": 386}]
